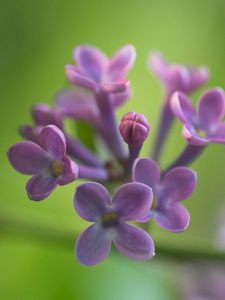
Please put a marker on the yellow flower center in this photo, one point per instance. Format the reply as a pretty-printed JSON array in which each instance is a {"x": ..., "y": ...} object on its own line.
[
  {"x": 201, "y": 133},
  {"x": 110, "y": 219},
  {"x": 57, "y": 168},
  {"x": 154, "y": 203}
]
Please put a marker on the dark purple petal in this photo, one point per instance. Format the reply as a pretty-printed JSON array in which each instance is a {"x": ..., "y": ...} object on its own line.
[
  {"x": 183, "y": 108},
  {"x": 114, "y": 87},
  {"x": 78, "y": 105},
  {"x": 91, "y": 61},
  {"x": 90, "y": 200},
  {"x": 31, "y": 133},
  {"x": 146, "y": 171},
  {"x": 174, "y": 218},
  {"x": 40, "y": 187},
  {"x": 211, "y": 108},
  {"x": 92, "y": 246},
  {"x": 44, "y": 115},
  {"x": 53, "y": 141},
  {"x": 28, "y": 158},
  {"x": 133, "y": 200},
  {"x": 134, "y": 242},
  {"x": 121, "y": 63},
  {"x": 192, "y": 137},
  {"x": 70, "y": 171},
  {"x": 179, "y": 183},
  {"x": 78, "y": 79}
]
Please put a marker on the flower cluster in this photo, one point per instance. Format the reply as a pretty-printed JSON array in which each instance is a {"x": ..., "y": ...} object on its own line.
[{"x": 97, "y": 87}]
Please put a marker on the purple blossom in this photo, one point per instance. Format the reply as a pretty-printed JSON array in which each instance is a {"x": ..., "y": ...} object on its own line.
[
  {"x": 176, "y": 77},
  {"x": 134, "y": 129},
  {"x": 131, "y": 202},
  {"x": 47, "y": 163},
  {"x": 205, "y": 125},
  {"x": 96, "y": 72},
  {"x": 176, "y": 185}
]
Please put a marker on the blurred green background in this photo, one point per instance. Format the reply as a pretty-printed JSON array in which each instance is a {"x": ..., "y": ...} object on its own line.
[{"x": 37, "y": 38}]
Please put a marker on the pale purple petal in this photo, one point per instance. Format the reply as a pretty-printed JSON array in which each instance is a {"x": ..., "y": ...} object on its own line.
[
  {"x": 28, "y": 158},
  {"x": 40, "y": 187},
  {"x": 121, "y": 98},
  {"x": 133, "y": 200},
  {"x": 192, "y": 137},
  {"x": 211, "y": 108},
  {"x": 91, "y": 61},
  {"x": 78, "y": 79},
  {"x": 53, "y": 141},
  {"x": 114, "y": 87},
  {"x": 92, "y": 246},
  {"x": 158, "y": 64},
  {"x": 219, "y": 134},
  {"x": 121, "y": 63},
  {"x": 78, "y": 105},
  {"x": 134, "y": 242},
  {"x": 182, "y": 108},
  {"x": 198, "y": 77},
  {"x": 70, "y": 171},
  {"x": 44, "y": 115},
  {"x": 90, "y": 200},
  {"x": 146, "y": 171},
  {"x": 31, "y": 133},
  {"x": 174, "y": 218},
  {"x": 177, "y": 78},
  {"x": 178, "y": 184}
]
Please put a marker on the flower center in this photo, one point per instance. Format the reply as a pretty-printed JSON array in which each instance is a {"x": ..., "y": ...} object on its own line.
[
  {"x": 201, "y": 133},
  {"x": 110, "y": 219},
  {"x": 57, "y": 168},
  {"x": 154, "y": 203}
]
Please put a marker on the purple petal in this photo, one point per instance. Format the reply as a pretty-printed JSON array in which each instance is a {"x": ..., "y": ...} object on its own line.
[
  {"x": 114, "y": 87},
  {"x": 174, "y": 218},
  {"x": 133, "y": 200},
  {"x": 78, "y": 79},
  {"x": 44, "y": 115},
  {"x": 198, "y": 77},
  {"x": 158, "y": 64},
  {"x": 91, "y": 61},
  {"x": 146, "y": 171},
  {"x": 121, "y": 98},
  {"x": 193, "y": 138},
  {"x": 219, "y": 134},
  {"x": 92, "y": 246},
  {"x": 211, "y": 108},
  {"x": 40, "y": 187},
  {"x": 31, "y": 133},
  {"x": 121, "y": 63},
  {"x": 78, "y": 105},
  {"x": 90, "y": 200},
  {"x": 70, "y": 171},
  {"x": 53, "y": 141},
  {"x": 134, "y": 242},
  {"x": 183, "y": 108},
  {"x": 28, "y": 158},
  {"x": 179, "y": 183}
]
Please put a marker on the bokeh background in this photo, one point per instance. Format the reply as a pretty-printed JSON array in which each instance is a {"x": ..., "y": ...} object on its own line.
[{"x": 37, "y": 38}]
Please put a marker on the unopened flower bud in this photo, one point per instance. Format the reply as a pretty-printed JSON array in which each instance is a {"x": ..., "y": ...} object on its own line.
[{"x": 134, "y": 129}]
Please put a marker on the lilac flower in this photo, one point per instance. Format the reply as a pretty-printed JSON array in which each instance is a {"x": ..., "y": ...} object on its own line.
[
  {"x": 177, "y": 77},
  {"x": 131, "y": 201},
  {"x": 204, "y": 126},
  {"x": 96, "y": 72},
  {"x": 48, "y": 163},
  {"x": 175, "y": 186}
]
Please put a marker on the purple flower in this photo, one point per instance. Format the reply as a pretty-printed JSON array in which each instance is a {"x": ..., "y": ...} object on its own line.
[
  {"x": 204, "y": 126},
  {"x": 96, "y": 72},
  {"x": 175, "y": 186},
  {"x": 177, "y": 77},
  {"x": 47, "y": 163},
  {"x": 131, "y": 201},
  {"x": 134, "y": 129}
]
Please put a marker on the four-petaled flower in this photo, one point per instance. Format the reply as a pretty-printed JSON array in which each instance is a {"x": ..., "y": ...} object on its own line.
[
  {"x": 47, "y": 162},
  {"x": 204, "y": 126},
  {"x": 96, "y": 72},
  {"x": 176, "y": 77},
  {"x": 175, "y": 186},
  {"x": 131, "y": 202}
]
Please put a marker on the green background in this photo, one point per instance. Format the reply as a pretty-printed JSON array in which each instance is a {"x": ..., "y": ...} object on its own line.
[{"x": 37, "y": 38}]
